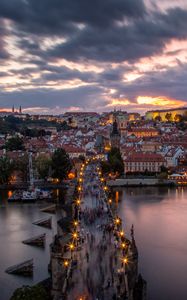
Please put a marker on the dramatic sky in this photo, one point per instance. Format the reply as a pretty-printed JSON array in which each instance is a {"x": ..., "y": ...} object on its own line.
[{"x": 93, "y": 55}]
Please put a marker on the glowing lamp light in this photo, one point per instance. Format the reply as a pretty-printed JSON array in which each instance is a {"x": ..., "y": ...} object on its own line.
[
  {"x": 71, "y": 247},
  {"x": 117, "y": 221},
  {"x": 66, "y": 263},
  {"x": 110, "y": 201},
  {"x": 123, "y": 245},
  {"x": 121, "y": 233},
  {"x": 125, "y": 260},
  {"x": 71, "y": 175},
  {"x": 75, "y": 223},
  {"x": 105, "y": 188},
  {"x": 75, "y": 235},
  {"x": 78, "y": 202}
]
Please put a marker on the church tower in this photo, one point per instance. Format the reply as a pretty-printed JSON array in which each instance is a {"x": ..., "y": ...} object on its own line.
[
  {"x": 20, "y": 110},
  {"x": 13, "y": 110},
  {"x": 115, "y": 135}
]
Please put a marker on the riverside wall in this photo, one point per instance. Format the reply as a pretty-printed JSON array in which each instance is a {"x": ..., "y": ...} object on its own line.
[{"x": 138, "y": 182}]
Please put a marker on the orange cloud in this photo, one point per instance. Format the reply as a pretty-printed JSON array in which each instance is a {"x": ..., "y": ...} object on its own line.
[
  {"x": 160, "y": 101},
  {"x": 119, "y": 102}
]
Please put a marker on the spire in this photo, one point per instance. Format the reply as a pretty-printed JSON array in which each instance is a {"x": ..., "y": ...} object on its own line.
[
  {"x": 13, "y": 109},
  {"x": 115, "y": 130},
  {"x": 132, "y": 232},
  {"x": 20, "y": 110}
]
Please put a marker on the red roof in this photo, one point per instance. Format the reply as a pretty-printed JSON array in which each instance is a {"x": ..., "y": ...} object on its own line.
[
  {"x": 145, "y": 157},
  {"x": 142, "y": 130}
]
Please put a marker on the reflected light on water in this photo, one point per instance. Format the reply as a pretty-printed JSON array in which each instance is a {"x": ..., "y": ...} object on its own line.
[{"x": 159, "y": 216}]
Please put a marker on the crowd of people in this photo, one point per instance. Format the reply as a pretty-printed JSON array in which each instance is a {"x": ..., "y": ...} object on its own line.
[{"x": 95, "y": 277}]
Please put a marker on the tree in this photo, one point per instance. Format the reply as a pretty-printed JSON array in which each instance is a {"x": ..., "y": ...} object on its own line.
[
  {"x": 6, "y": 168},
  {"x": 30, "y": 293},
  {"x": 168, "y": 117},
  {"x": 61, "y": 164},
  {"x": 21, "y": 164},
  {"x": 114, "y": 162},
  {"x": 178, "y": 118},
  {"x": 158, "y": 118},
  {"x": 14, "y": 143},
  {"x": 43, "y": 164}
]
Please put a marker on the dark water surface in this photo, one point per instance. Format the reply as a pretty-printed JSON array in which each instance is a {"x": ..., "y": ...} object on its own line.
[
  {"x": 15, "y": 226},
  {"x": 160, "y": 219}
]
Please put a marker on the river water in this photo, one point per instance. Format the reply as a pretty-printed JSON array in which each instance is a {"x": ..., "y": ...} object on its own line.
[
  {"x": 16, "y": 225},
  {"x": 159, "y": 215}
]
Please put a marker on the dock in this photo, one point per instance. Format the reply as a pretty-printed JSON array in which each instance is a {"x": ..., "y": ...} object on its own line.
[
  {"x": 38, "y": 241},
  {"x": 47, "y": 223},
  {"x": 25, "y": 268}
]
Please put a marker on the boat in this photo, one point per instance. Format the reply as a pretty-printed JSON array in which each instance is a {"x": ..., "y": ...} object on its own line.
[
  {"x": 30, "y": 195},
  {"x": 33, "y": 193}
]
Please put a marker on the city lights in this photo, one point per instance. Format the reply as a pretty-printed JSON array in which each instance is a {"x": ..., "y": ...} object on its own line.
[
  {"x": 75, "y": 235},
  {"x": 66, "y": 263},
  {"x": 75, "y": 223},
  {"x": 78, "y": 202},
  {"x": 121, "y": 233}
]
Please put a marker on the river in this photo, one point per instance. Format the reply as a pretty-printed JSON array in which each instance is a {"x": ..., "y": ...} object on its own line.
[
  {"x": 15, "y": 226},
  {"x": 159, "y": 215}
]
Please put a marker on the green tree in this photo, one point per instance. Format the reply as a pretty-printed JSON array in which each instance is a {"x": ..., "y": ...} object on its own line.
[
  {"x": 43, "y": 164},
  {"x": 30, "y": 293},
  {"x": 114, "y": 162},
  {"x": 6, "y": 168},
  {"x": 61, "y": 164},
  {"x": 106, "y": 167},
  {"x": 14, "y": 143},
  {"x": 21, "y": 164},
  {"x": 168, "y": 117}
]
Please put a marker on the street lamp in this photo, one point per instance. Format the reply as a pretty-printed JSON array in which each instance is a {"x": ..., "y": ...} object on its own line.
[
  {"x": 117, "y": 221},
  {"x": 66, "y": 263},
  {"x": 75, "y": 223},
  {"x": 78, "y": 202},
  {"x": 110, "y": 201}
]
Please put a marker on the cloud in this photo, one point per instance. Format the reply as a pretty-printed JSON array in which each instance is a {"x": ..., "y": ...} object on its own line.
[
  {"x": 87, "y": 54},
  {"x": 63, "y": 16},
  {"x": 83, "y": 97}
]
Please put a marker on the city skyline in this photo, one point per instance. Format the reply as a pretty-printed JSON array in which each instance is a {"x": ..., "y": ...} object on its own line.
[{"x": 128, "y": 55}]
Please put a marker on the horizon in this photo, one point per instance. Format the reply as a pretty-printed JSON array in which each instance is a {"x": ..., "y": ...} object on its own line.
[{"x": 24, "y": 111}]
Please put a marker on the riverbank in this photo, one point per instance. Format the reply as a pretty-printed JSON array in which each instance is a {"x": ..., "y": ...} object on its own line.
[
  {"x": 25, "y": 185},
  {"x": 124, "y": 182}
]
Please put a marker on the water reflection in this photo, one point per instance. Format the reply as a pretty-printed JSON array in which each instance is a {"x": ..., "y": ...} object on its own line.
[
  {"x": 15, "y": 226},
  {"x": 159, "y": 216}
]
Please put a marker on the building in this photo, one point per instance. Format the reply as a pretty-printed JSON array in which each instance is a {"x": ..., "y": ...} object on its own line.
[
  {"x": 151, "y": 115},
  {"x": 140, "y": 162},
  {"x": 115, "y": 135},
  {"x": 173, "y": 155},
  {"x": 143, "y": 132}
]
